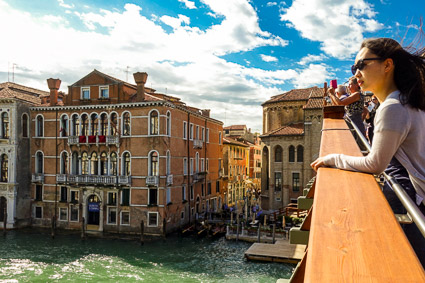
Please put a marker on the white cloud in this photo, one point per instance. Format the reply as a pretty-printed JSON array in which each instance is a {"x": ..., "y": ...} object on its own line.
[
  {"x": 270, "y": 4},
  {"x": 311, "y": 58},
  {"x": 175, "y": 22},
  {"x": 314, "y": 75},
  {"x": 188, "y": 4},
  {"x": 268, "y": 58},
  {"x": 62, "y": 4},
  {"x": 338, "y": 25}
]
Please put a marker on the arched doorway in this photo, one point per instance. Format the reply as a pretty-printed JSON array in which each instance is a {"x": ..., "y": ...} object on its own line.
[
  {"x": 3, "y": 208},
  {"x": 93, "y": 210}
]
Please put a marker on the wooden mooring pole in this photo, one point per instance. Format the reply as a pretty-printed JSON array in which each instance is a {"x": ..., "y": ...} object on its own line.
[
  {"x": 259, "y": 232},
  {"x": 83, "y": 229},
  {"x": 142, "y": 232},
  {"x": 164, "y": 228},
  {"x": 274, "y": 232},
  {"x": 4, "y": 221}
]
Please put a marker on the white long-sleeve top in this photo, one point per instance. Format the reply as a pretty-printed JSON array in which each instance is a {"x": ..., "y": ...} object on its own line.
[{"x": 400, "y": 132}]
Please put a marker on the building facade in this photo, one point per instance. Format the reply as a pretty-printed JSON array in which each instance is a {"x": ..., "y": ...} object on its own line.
[
  {"x": 116, "y": 156},
  {"x": 292, "y": 124},
  {"x": 15, "y": 176}
]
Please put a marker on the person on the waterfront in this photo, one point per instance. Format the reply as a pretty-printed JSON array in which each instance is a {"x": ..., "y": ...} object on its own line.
[{"x": 397, "y": 78}]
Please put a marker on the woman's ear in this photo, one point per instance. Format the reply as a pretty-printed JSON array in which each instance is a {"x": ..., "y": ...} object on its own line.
[{"x": 388, "y": 64}]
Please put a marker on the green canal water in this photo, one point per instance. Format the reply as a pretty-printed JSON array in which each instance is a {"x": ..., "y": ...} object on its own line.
[{"x": 35, "y": 257}]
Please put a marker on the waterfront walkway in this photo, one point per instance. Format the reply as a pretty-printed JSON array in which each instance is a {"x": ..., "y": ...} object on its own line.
[{"x": 281, "y": 251}]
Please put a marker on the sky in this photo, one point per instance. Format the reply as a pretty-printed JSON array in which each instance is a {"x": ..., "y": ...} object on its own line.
[{"x": 229, "y": 56}]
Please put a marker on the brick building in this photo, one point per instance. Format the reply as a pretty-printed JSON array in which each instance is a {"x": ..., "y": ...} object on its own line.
[
  {"x": 292, "y": 124},
  {"x": 15, "y": 176},
  {"x": 114, "y": 154}
]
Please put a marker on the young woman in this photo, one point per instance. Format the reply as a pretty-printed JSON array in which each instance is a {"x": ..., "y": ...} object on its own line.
[{"x": 397, "y": 78}]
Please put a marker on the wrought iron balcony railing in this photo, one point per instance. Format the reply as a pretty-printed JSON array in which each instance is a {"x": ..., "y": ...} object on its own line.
[
  {"x": 37, "y": 178},
  {"x": 152, "y": 180},
  {"x": 97, "y": 139},
  {"x": 93, "y": 179}
]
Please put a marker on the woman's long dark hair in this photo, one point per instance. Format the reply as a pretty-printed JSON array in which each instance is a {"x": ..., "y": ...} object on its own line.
[{"x": 409, "y": 69}]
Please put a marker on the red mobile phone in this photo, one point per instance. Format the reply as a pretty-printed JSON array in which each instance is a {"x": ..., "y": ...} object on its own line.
[{"x": 334, "y": 84}]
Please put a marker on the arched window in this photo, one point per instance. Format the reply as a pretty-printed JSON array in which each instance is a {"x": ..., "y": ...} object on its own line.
[
  {"x": 126, "y": 164},
  {"x": 291, "y": 153},
  {"x": 39, "y": 162},
  {"x": 114, "y": 162},
  {"x": 168, "y": 163},
  {"x": 64, "y": 126},
  {"x": 64, "y": 163},
  {"x": 4, "y": 174},
  {"x": 94, "y": 164},
  {"x": 5, "y": 125},
  {"x": 84, "y": 125},
  {"x": 103, "y": 124},
  {"x": 84, "y": 163},
  {"x": 75, "y": 125},
  {"x": 113, "y": 129},
  {"x": 103, "y": 164},
  {"x": 39, "y": 126},
  {"x": 153, "y": 123},
  {"x": 278, "y": 154},
  {"x": 300, "y": 153},
  {"x": 153, "y": 164},
  {"x": 25, "y": 125},
  {"x": 126, "y": 125},
  {"x": 93, "y": 124},
  {"x": 168, "y": 123},
  {"x": 75, "y": 163}
]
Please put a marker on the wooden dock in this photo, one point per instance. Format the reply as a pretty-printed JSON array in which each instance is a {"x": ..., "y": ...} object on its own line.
[{"x": 281, "y": 251}]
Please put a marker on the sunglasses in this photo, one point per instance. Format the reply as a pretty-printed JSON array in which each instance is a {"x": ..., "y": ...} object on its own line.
[{"x": 361, "y": 64}]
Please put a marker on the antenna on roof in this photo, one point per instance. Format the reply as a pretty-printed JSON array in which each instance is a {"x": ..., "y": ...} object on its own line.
[
  {"x": 13, "y": 72},
  {"x": 127, "y": 73}
]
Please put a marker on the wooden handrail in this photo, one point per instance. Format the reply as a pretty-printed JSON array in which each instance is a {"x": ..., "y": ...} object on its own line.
[{"x": 354, "y": 235}]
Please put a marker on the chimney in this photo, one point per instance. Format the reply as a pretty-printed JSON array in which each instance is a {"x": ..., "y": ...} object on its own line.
[
  {"x": 140, "y": 79},
  {"x": 205, "y": 112},
  {"x": 54, "y": 85}
]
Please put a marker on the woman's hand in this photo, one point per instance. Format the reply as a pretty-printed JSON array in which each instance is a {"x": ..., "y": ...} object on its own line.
[{"x": 319, "y": 162}]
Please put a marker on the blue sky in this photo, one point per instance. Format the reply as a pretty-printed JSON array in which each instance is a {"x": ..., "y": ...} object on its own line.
[{"x": 225, "y": 55}]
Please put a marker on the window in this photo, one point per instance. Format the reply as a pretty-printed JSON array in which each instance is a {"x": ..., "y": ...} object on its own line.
[
  {"x": 38, "y": 212},
  {"x": 85, "y": 93},
  {"x": 38, "y": 192},
  {"x": 184, "y": 130},
  {"x": 184, "y": 193},
  {"x": 84, "y": 163},
  {"x": 93, "y": 124},
  {"x": 278, "y": 181},
  {"x": 25, "y": 125},
  {"x": 168, "y": 123},
  {"x": 113, "y": 129},
  {"x": 191, "y": 131},
  {"x": 74, "y": 213},
  {"x": 168, "y": 163},
  {"x": 103, "y": 163},
  {"x": 191, "y": 192},
  {"x": 153, "y": 123},
  {"x": 217, "y": 187},
  {"x": 197, "y": 132},
  {"x": 168, "y": 195},
  {"x": 300, "y": 153},
  {"x": 64, "y": 194},
  {"x": 4, "y": 173},
  {"x": 75, "y": 163},
  {"x": 209, "y": 188},
  {"x": 5, "y": 125},
  {"x": 112, "y": 215},
  {"x": 74, "y": 197},
  {"x": 153, "y": 196},
  {"x": 75, "y": 124},
  {"x": 104, "y": 92},
  {"x": 291, "y": 153},
  {"x": 39, "y": 162},
  {"x": 152, "y": 219},
  {"x": 296, "y": 182},
  {"x": 126, "y": 162},
  {"x": 64, "y": 126},
  {"x": 125, "y": 197},
  {"x": 185, "y": 166},
  {"x": 202, "y": 165},
  {"x": 219, "y": 137},
  {"x": 84, "y": 125},
  {"x": 197, "y": 162},
  {"x": 126, "y": 125},
  {"x": 125, "y": 218},
  {"x": 208, "y": 135},
  {"x": 39, "y": 126},
  {"x": 203, "y": 134},
  {"x": 113, "y": 162},
  {"x": 153, "y": 164},
  {"x": 112, "y": 198},
  {"x": 63, "y": 213},
  {"x": 278, "y": 154},
  {"x": 207, "y": 165},
  {"x": 103, "y": 124},
  {"x": 191, "y": 166},
  {"x": 182, "y": 216},
  {"x": 94, "y": 162},
  {"x": 202, "y": 190}
]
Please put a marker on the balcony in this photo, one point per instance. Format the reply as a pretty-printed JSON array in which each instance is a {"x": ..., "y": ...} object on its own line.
[
  {"x": 152, "y": 180},
  {"x": 37, "y": 178},
  {"x": 93, "y": 180},
  {"x": 169, "y": 180},
  {"x": 108, "y": 140},
  {"x": 199, "y": 176},
  {"x": 197, "y": 143}
]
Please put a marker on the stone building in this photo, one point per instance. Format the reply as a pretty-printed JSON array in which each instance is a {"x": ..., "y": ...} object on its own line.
[
  {"x": 15, "y": 176},
  {"x": 292, "y": 124},
  {"x": 239, "y": 132},
  {"x": 115, "y": 155}
]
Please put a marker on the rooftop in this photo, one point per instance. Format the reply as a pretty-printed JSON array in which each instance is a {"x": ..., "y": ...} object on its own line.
[
  {"x": 287, "y": 130},
  {"x": 20, "y": 92}
]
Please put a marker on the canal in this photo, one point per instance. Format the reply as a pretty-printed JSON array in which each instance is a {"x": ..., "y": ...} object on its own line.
[{"x": 31, "y": 256}]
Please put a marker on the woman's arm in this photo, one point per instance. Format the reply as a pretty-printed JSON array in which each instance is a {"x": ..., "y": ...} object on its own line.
[{"x": 346, "y": 101}]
